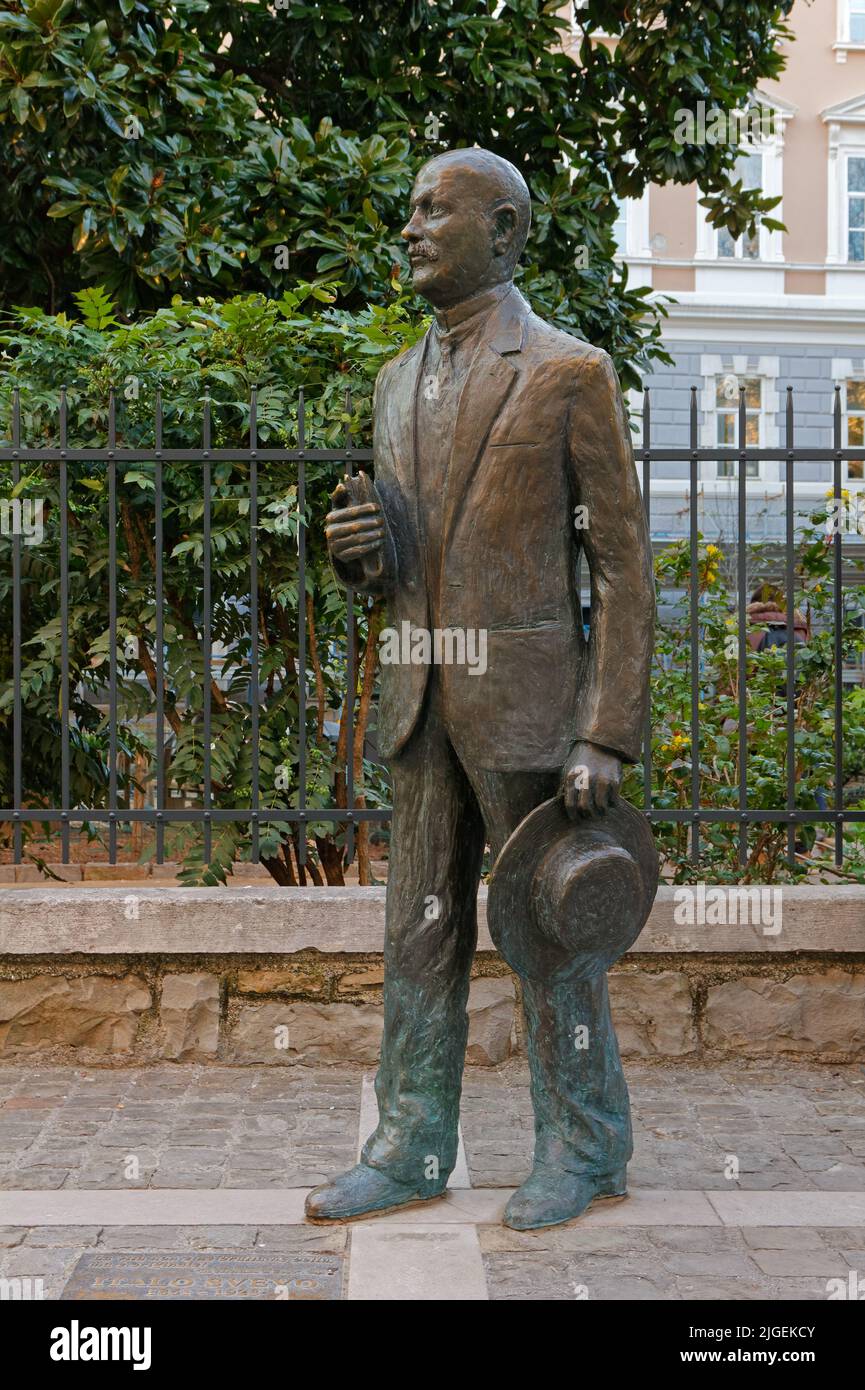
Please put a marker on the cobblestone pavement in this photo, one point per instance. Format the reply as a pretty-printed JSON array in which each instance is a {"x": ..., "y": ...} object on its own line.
[
  {"x": 788, "y": 1127},
  {"x": 176, "y": 1126}
]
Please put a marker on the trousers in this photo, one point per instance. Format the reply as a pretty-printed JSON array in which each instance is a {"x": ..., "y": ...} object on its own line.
[{"x": 444, "y": 810}]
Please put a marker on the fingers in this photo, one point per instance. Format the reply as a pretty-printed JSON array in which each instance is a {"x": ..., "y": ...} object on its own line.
[
  {"x": 355, "y": 513},
  {"x": 346, "y": 533},
  {"x": 590, "y": 798},
  {"x": 352, "y": 539},
  {"x": 356, "y": 552}
]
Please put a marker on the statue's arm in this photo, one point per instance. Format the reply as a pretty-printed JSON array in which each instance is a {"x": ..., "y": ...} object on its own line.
[{"x": 615, "y": 538}]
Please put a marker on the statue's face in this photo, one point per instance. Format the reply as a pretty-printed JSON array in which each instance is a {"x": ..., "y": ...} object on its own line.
[{"x": 451, "y": 234}]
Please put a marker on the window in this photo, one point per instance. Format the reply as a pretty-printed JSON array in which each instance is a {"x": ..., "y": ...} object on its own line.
[
  {"x": 854, "y": 396},
  {"x": 620, "y": 226},
  {"x": 727, "y": 420},
  {"x": 856, "y": 206},
  {"x": 857, "y": 21},
  {"x": 749, "y": 169}
]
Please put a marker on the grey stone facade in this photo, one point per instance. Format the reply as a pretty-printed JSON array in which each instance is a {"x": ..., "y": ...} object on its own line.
[{"x": 812, "y": 371}]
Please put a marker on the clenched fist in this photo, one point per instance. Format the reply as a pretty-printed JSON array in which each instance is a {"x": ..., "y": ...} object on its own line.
[
  {"x": 590, "y": 780},
  {"x": 355, "y": 529}
]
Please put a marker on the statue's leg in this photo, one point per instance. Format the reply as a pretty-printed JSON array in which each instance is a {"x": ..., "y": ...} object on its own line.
[
  {"x": 431, "y": 931},
  {"x": 579, "y": 1094}
]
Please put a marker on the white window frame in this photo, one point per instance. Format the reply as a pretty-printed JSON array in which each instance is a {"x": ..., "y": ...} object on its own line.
[
  {"x": 845, "y": 418},
  {"x": 846, "y": 124},
  {"x": 845, "y": 212},
  {"x": 636, "y": 216},
  {"x": 771, "y": 242},
  {"x": 712, "y": 369},
  {"x": 738, "y": 255},
  {"x": 844, "y": 44}
]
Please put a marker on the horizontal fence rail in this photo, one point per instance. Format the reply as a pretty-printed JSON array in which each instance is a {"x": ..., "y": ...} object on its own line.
[{"x": 301, "y": 459}]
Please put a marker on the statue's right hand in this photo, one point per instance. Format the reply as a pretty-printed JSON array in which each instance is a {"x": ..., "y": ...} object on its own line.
[{"x": 354, "y": 530}]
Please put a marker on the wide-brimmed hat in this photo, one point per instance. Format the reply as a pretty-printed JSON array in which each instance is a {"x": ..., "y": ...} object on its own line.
[{"x": 568, "y": 897}]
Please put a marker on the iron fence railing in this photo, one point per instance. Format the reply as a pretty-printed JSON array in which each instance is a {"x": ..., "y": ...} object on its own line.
[{"x": 255, "y": 457}]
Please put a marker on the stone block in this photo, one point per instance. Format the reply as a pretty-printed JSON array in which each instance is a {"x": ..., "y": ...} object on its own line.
[
  {"x": 491, "y": 1020},
  {"x": 98, "y": 1012},
  {"x": 168, "y": 869},
  {"x": 653, "y": 1013},
  {"x": 361, "y": 977},
  {"x": 307, "y": 1032},
  {"x": 189, "y": 1017},
  {"x": 289, "y": 979},
  {"x": 29, "y": 873},
  {"x": 111, "y": 873},
  {"x": 820, "y": 1014}
]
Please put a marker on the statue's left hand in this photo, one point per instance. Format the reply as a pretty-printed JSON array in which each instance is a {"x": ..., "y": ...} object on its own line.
[{"x": 590, "y": 780}]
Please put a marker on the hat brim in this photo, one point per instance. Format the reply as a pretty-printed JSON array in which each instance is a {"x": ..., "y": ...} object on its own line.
[{"x": 614, "y": 882}]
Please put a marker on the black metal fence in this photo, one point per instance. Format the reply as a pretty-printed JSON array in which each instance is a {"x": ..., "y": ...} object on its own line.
[
  {"x": 18, "y": 453},
  {"x": 739, "y": 456}
]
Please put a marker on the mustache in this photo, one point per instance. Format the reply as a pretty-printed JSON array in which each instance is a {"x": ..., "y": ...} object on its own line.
[{"x": 424, "y": 250}]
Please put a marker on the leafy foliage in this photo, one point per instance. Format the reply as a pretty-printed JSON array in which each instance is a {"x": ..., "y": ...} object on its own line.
[
  {"x": 765, "y": 748},
  {"x": 217, "y": 146},
  {"x": 277, "y": 347}
]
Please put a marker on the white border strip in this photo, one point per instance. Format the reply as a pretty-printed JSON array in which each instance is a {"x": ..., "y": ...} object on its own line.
[{"x": 477, "y": 1206}]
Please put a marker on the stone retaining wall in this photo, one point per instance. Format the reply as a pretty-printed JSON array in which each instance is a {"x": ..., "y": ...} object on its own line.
[{"x": 95, "y": 975}]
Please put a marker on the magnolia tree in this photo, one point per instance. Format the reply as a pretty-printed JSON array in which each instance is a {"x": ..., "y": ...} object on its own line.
[
  {"x": 158, "y": 147},
  {"x": 206, "y": 195}
]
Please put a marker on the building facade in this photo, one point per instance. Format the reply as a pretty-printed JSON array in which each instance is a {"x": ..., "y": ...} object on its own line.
[{"x": 772, "y": 310}]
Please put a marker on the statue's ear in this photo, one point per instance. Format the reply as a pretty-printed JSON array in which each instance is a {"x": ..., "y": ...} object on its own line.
[{"x": 504, "y": 227}]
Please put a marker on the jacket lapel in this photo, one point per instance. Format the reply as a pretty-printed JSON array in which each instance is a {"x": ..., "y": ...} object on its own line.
[
  {"x": 400, "y": 415},
  {"x": 490, "y": 379}
]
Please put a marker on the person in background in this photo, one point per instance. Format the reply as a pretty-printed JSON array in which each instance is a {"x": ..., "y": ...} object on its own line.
[{"x": 767, "y": 619}]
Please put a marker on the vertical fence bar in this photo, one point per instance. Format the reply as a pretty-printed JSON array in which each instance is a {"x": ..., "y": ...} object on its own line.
[
  {"x": 351, "y": 678},
  {"x": 207, "y": 634},
  {"x": 301, "y": 627},
  {"x": 742, "y": 563},
  {"x": 159, "y": 654},
  {"x": 791, "y": 644},
  {"x": 112, "y": 629},
  {"x": 647, "y": 508},
  {"x": 253, "y": 616},
  {"x": 838, "y": 610},
  {"x": 695, "y": 632},
  {"x": 17, "y": 732},
  {"x": 64, "y": 632}
]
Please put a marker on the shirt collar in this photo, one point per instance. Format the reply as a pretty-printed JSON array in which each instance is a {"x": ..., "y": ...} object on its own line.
[{"x": 470, "y": 312}]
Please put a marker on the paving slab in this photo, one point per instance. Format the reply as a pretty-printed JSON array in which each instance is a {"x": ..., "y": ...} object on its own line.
[
  {"x": 789, "y": 1208},
  {"x": 416, "y": 1264}
]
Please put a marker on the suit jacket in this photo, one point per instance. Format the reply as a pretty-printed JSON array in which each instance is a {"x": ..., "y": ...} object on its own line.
[{"x": 541, "y": 430}]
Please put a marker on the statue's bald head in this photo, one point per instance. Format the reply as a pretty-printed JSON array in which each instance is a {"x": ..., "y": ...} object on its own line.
[{"x": 470, "y": 216}]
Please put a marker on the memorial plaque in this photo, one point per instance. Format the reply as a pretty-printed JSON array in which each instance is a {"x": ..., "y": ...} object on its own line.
[{"x": 276, "y": 1275}]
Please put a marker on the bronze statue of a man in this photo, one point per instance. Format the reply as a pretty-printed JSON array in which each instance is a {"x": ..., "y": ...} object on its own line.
[{"x": 491, "y": 434}]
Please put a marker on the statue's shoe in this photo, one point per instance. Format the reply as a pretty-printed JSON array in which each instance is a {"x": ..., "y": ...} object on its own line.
[
  {"x": 364, "y": 1191},
  {"x": 551, "y": 1195}
]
